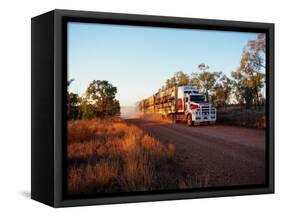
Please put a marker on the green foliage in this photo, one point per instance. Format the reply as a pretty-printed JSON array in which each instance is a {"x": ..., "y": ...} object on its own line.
[
  {"x": 181, "y": 78},
  {"x": 178, "y": 79},
  {"x": 205, "y": 80},
  {"x": 88, "y": 111},
  {"x": 102, "y": 95},
  {"x": 99, "y": 102},
  {"x": 73, "y": 111},
  {"x": 249, "y": 79},
  {"x": 222, "y": 91}
]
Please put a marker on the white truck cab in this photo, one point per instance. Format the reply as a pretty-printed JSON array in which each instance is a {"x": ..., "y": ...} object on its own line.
[{"x": 196, "y": 107}]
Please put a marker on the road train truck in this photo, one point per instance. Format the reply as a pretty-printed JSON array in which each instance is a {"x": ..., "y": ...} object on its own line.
[{"x": 181, "y": 104}]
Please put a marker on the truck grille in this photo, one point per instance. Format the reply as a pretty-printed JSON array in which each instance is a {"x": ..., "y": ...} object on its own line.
[
  {"x": 206, "y": 112},
  {"x": 205, "y": 107}
]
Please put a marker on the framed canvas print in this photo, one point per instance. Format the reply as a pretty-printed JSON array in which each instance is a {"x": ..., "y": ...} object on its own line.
[{"x": 133, "y": 108}]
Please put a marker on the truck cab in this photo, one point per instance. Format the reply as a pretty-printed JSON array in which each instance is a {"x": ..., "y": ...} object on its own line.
[{"x": 196, "y": 107}]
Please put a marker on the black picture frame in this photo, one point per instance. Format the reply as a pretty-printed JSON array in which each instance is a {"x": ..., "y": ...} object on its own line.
[{"x": 49, "y": 85}]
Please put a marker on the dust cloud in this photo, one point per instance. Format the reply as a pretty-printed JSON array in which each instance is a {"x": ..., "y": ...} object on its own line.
[{"x": 128, "y": 112}]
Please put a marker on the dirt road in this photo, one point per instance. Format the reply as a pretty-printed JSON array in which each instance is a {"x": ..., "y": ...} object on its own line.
[{"x": 211, "y": 156}]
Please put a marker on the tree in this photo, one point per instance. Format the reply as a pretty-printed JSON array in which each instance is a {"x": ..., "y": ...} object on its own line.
[
  {"x": 251, "y": 69},
  {"x": 258, "y": 45},
  {"x": 205, "y": 80},
  {"x": 243, "y": 90},
  {"x": 238, "y": 86},
  {"x": 73, "y": 101},
  {"x": 178, "y": 79},
  {"x": 114, "y": 108},
  {"x": 222, "y": 91},
  {"x": 88, "y": 110},
  {"x": 101, "y": 94},
  {"x": 181, "y": 78}
]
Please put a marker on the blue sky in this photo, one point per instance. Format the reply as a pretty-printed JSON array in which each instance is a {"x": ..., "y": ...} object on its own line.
[{"x": 138, "y": 60}]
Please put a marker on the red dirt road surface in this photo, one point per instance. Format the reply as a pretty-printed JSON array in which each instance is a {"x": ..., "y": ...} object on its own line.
[{"x": 213, "y": 156}]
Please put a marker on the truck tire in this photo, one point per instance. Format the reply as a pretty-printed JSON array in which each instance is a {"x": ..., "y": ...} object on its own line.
[{"x": 189, "y": 120}]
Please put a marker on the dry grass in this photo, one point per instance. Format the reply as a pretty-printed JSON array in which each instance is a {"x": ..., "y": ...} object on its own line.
[{"x": 112, "y": 156}]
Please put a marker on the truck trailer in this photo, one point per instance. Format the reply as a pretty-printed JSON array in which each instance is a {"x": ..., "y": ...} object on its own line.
[{"x": 180, "y": 104}]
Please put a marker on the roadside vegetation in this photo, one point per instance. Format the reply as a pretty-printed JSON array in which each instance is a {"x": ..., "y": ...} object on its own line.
[
  {"x": 244, "y": 86},
  {"x": 98, "y": 102},
  {"x": 248, "y": 117},
  {"x": 108, "y": 155}
]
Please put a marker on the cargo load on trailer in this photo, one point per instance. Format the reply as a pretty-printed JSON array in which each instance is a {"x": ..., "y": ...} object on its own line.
[{"x": 180, "y": 103}]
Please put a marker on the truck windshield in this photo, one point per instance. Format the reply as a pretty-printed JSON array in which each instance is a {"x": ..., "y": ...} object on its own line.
[{"x": 197, "y": 98}]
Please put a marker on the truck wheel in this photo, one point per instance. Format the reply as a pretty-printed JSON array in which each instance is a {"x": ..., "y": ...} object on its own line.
[{"x": 189, "y": 120}]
